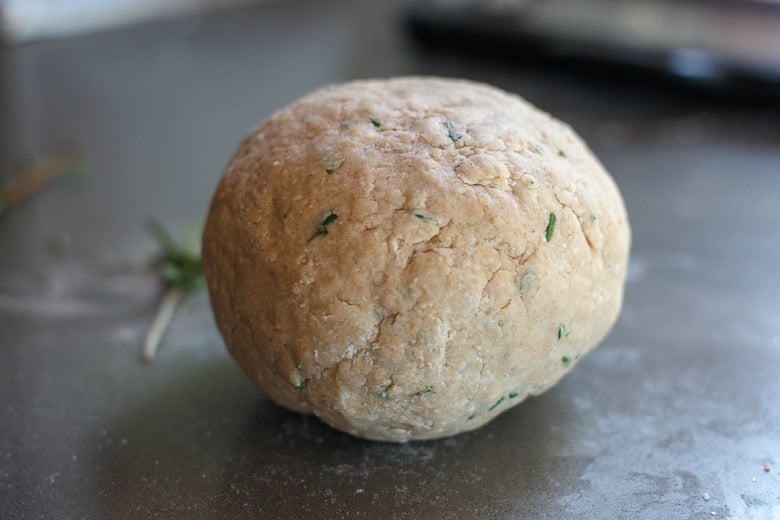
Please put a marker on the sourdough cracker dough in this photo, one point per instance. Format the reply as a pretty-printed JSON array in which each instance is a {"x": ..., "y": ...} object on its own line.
[{"x": 409, "y": 258}]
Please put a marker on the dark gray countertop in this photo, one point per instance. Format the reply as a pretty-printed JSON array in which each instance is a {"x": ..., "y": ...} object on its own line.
[{"x": 681, "y": 400}]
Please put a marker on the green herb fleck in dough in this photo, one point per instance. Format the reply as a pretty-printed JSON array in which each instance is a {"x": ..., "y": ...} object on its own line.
[
  {"x": 561, "y": 331},
  {"x": 322, "y": 228},
  {"x": 333, "y": 164},
  {"x": 471, "y": 416},
  {"x": 302, "y": 384},
  {"x": 593, "y": 219},
  {"x": 426, "y": 390},
  {"x": 451, "y": 132},
  {"x": 565, "y": 360},
  {"x": 548, "y": 233},
  {"x": 495, "y": 405},
  {"x": 512, "y": 394},
  {"x": 526, "y": 281},
  {"x": 561, "y": 153},
  {"x": 425, "y": 218},
  {"x": 376, "y": 122}
]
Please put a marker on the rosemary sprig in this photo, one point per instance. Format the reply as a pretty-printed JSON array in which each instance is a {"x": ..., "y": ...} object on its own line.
[
  {"x": 36, "y": 176},
  {"x": 181, "y": 273}
]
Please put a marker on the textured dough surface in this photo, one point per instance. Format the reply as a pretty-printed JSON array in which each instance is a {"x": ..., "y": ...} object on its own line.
[{"x": 432, "y": 301}]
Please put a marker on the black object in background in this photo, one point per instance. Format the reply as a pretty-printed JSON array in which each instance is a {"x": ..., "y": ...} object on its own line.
[{"x": 728, "y": 45}]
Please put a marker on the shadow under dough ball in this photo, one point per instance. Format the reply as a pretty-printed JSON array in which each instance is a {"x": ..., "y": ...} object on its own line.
[{"x": 409, "y": 258}]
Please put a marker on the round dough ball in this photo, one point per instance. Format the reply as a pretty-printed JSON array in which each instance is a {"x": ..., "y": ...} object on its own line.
[{"x": 409, "y": 258}]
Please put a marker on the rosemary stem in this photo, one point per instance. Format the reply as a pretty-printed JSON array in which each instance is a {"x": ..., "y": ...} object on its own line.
[
  {"x": 34, "y": 179},
  {"x": 162, "y": 320}
]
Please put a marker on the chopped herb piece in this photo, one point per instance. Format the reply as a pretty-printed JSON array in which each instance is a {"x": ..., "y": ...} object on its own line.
[
  {"x": 561, "y": 331},
  {"x": 561, "y": 153},
  {"x": 451, "y": 132},
  {"x": 376, "y": 122},
  {"x": 512, "y": 394},
  {"x": 333, "y": 164},
  {"x": 565, "y": 360},
  {"x": 302, "y": 384},
  {"x": 548, "y": 233},
  {"x": 426, "y": 390},
  {"x": 526, "y": 281},
  {"x": 495, "y": 405},
  {"x": 471, "y": 416},
  {"x": 322, "y": 228},
  {"x": 593, "y": 219},
  {"x": 424, "y": 217}
]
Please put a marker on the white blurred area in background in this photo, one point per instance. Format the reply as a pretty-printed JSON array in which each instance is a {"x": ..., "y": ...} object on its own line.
[{"x": 25, "y": 20}]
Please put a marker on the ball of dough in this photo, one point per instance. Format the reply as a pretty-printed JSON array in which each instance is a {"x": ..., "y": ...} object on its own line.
[{"x": 409, "y": 258}]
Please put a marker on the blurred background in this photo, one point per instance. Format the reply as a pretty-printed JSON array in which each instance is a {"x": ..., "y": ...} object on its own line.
[
  {"x": 113, "y": 112},
  {"x": 720, "y": 41},
  {"x": 27, "y": 20}
]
